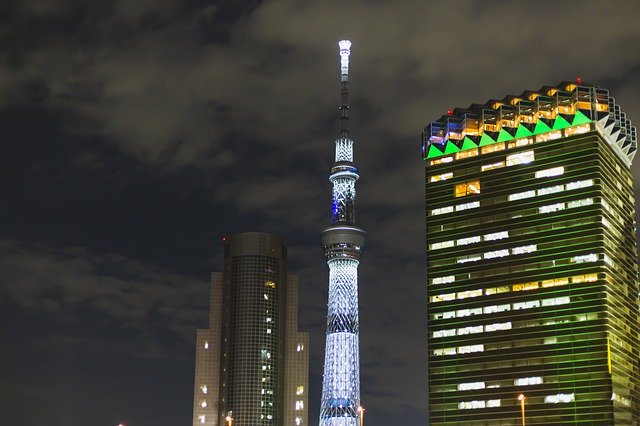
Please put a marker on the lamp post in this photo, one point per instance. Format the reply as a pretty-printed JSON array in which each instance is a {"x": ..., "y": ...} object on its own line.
[
  {"x": 521, "y": 398},
  {"x": 361, "y": 413},
  {"x": 229, "y": 420}
]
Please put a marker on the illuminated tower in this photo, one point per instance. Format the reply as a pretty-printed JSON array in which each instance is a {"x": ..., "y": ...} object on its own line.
[
  {"x": 252, "y": 362},
  {"x": 343, "y": 242},
  {"x": 532, "y": 277}
]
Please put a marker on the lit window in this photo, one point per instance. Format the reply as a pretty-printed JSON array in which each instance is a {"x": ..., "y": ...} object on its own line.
[
  {"x": 492, "y": 166},
  {"x": 444, "y": 333},
  {"x": 470, "y": 293},
  {"x": 498, "y": 326},
  {"x": 496, "y": 308},
  {"x": 551, "y": 208},
  {"x": 592, "y": 257},
  {"x": 466, "y": 405},
  {"x": 497, "y": 290},
  {"x": 204, "y": 389},
  {"x": 471, "y": 258},
  {"x": 579, "y": 184},
  {"x": 206, "y": 345},
  {"x": 524, "y": 249},
  {"x": 561, "y": 397},
  {"x": 493, "y": 148},
  {"x": 526, "y": 305},
  {"x": 441, "y": 245},
  {"x": 555, "y": 282},
  {"x": 470, "y": 386},
  {"x": 445, "y": 351},
  {"x": 550, "y": 190},
  {"x": 584, "y": 278},
  {"x": 442, "y": 160},
  {"x": 467, "y": 153},
  {"x": 525, "y": 157},
  {"x": 496, "y": 236},
  {"x": 580, "y": 203},
  {"x": 467, "y": 206},
  {"x": 556, "y": 301},
  {"x": 554, "y": 171},
  {"x": 493, "y": 403},
  {"x": 468, "y": 188},
  {"x": 298, "y": 421},
  {"x": 525, "y": 286},
  {"x": 470, "y": 330},
  {"x": 266, "y": 297},
  {"x": 549, "y": 136},
  {"x": 470, "y": 349},
  {"x": 299, "y": 405},
  {"x": 443, "y": 297},
  {"x": 496, "y": 253},
  {"x": 202, "y": 418},
  {"x": 448, "y": 315},
  {"x": 444, "y": 280},
  {"x": 443, "y": 176},
  {"x": 528, "y": 381},
  {"x": 270, "y": 284},
  {"x": 520, "y": 142},
  {"x": 468, "y": 240},
  {"x": 203, "y": 404},
  {"x": 300, "y": 347},
  {"x": 522, "y": 195},
  {"x": 460, "y": 313},
  {"x": 442, "y": 210}
]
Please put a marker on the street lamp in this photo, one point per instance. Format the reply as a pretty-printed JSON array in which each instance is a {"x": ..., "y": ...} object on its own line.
[
  {"x": 361, "y": 413},
  {"x": 521, "y": 398},
  {"x": 229, "y": 420}
]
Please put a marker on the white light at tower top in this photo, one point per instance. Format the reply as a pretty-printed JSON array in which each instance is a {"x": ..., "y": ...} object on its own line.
[{"x": 345, "y": 51}]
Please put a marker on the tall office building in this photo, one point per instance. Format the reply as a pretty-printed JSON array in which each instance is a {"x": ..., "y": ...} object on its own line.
[
  {"x": 343, "y": 242},
  {"x": 252, "y": 363},
  {"x": 532, "y": 276}
]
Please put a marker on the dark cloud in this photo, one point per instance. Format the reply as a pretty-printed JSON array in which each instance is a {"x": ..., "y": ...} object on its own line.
[{"x": 135, "y": 133}]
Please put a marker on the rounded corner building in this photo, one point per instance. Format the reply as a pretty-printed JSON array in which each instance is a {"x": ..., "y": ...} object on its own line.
[{"x": 532, "y": 274}]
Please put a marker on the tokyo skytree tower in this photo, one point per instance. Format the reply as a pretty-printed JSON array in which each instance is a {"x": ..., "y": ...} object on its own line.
[{"x": 343, "y": 242}]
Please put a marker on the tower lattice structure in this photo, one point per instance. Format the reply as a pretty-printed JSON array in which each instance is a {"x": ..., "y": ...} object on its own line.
[{"x": 343, "y": 243}]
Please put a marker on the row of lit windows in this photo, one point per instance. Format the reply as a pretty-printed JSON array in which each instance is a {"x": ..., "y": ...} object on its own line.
[
  {"x": 474, "y": 187},
  {"x": 498, "y": 253},
  {"x": 470, "y": 240},
  {"x": 554, "y": 282},
  {"x": 459, "y": 207},
  {"x": 530, "y": 248},
  {"x": 517, "y": 143},
  {"x": 472, "y": 330},
  {"x": 491, "y": 403},
  {"x": 469, "y": 405},
  {"x": 490, "y": 309}
]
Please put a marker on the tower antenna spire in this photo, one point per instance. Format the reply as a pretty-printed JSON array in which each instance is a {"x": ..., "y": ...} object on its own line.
[{"x": 345, "y": 51}]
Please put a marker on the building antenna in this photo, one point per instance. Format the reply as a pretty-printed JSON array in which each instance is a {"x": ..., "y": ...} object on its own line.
[{"x": 345, "y": 51}]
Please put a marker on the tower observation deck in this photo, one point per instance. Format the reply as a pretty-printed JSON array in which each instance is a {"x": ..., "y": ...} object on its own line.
[{"x": 343, "y": 243}]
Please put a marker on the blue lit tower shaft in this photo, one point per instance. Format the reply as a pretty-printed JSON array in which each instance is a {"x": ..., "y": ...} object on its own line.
[{"x": 343, "y": 242}]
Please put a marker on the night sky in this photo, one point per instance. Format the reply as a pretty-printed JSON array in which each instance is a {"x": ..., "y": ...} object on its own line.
[{"x": 135, "y": 133}]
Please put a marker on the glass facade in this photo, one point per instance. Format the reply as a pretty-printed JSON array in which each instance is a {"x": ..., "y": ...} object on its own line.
[{"x": 533, "y": 284}]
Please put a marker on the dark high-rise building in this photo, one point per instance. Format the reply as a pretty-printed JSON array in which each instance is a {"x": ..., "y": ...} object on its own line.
[
  {"x": 532, "y": 277},
  {"x": 252, "y": 363}
]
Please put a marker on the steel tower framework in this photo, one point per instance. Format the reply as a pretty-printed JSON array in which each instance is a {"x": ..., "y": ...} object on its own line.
[{"x": 343, "y": 242}]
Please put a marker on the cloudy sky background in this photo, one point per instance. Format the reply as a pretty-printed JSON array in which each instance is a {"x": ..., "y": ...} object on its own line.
[{"x": 134, "y": 134}]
